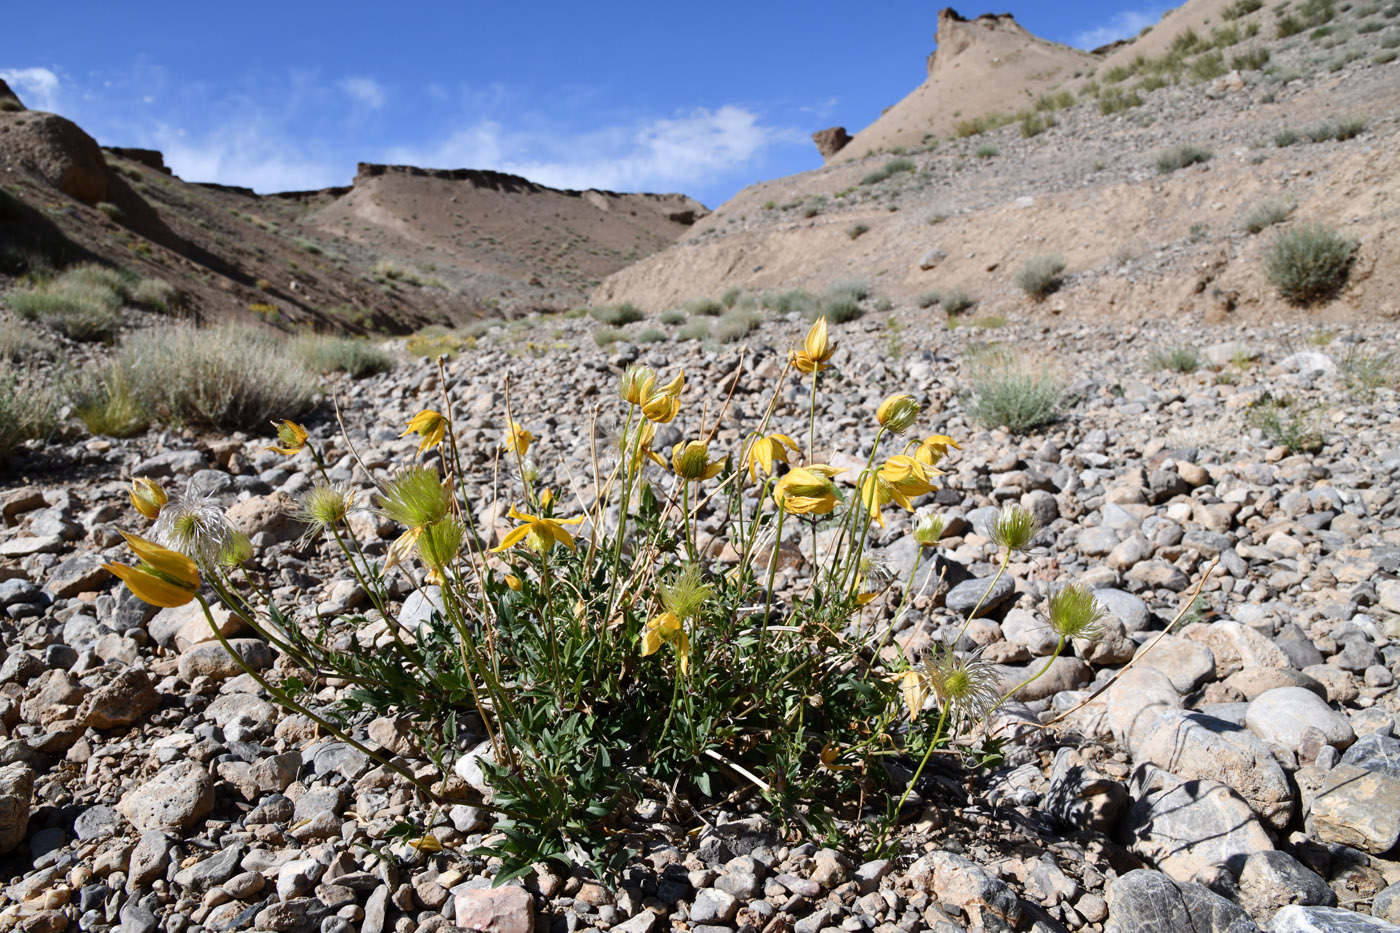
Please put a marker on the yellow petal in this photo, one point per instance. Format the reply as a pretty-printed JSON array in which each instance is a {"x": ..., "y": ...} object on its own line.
[
  {"x": 162, "y": 560},
  {"x": 148, "y": 497},
  {"x": 402, "y": 547},
  {"x": 559, "y": 534},
  {"x": 149, "y": 588},
  {"x": 512, "y": 539},
  {"x": 513, "y": 582},
  {"x": 912, "y": 686}
]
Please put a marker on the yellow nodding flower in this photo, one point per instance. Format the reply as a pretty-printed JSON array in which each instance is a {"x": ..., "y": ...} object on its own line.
[
  {"x": 667, "y": 629},
  {"x": 691, "y": 460},
  {"x": 915, "y": 690},
  {"x": 429, "y": 425},
  {"x": 513, "y": 582},
  {"x": 934, "y": 449},
  {"x": 897, "y": 413},
  {"x": 635, "y": 384},
  {"x": 663, "y": 404},
  {"x": 807, "y": 490},
  {"x": 908, "y": 479},
  {"x": 543, "y": 532},
  {"x": 290, "y": 436},
  {"x": 148, "y": 497},
  {"x": 875, "y": 493},
  {"x": 769, "y": 450},
  {"x": 816, "y": 349},
  {"x": 518, "y": 440},
  {"x": 163, "y": 577}
]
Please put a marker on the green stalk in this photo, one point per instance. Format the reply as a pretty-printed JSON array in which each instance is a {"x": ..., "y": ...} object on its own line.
[
  {"x": 1006, "y": 559},
  {"x": 772, "y": 574},
  {"x": 1028, "y": 681}
]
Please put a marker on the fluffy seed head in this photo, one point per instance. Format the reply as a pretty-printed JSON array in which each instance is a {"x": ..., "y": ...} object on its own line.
[
  {"x": 685, "y": 593},
  {"x": 1074, "y": 613},
  {"x": 928, "y": 527},
  {"x": 966, "y": 687},
  {"x": 195, "y": 525},
  {"x": 635, "y": 383},
  {"x": 440, "y": 543},
  {"x": 1015, "y": 528},
  {"x": 415, "y": 497},
  {"x": 327, "y": 504}
]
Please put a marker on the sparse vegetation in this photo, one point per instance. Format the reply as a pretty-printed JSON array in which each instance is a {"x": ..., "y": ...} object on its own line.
[
  {"x": 105, "y": 401},
  {"x": 386, "y": 272},
  {"x": 888, "y": 170},
  {"x": 1041, "y": 275},
  {"x": 1116, "y": 100},
  {"x": 986, "y": 151},
  {"x": 83, "y": 303},
  {"x": 616, "y": 315},
  {"x": 1180, "y": 156},
  {"x": 1252, "y": 60},
  {"x": 734, "y": 325},
  {"x": 1283, "y": 423},
  {"x": 704, "y": 307},
  {"x": 672, "y": 317},
  {"x": 1309, "y": 264},
  {"x": 841, "y": 302},
  {"x": 112, "y": 212},
  {"x": 1241, "y": 8},
  {"x": 1341, "y": 130},
  {"x": 215, "y": 377},
  {"x": 1176, "y": 359},
  {"x": 1208, "y": 67},
  {"x": 928, "y": 299},
  {"x": 1286, "y": 137},
  {"x": 976, "y": 126},
  {"x": 606, "y": 336},
  {"x": 1365, "y": 372},
  {"x": 326, "y": 354},
  {"x": 957, "y": 301},
  {"x": 789, "y": 302},
  {"x": 1011, "y": 392},
  {"x": 156, "y": 294},
  {"x": 1265, "y": 214},
  {"x": 697, "y": 329},
  {"x": 650, "y": 335},
  {"x": 1033, "y": 123},
  {"x": 28, "y": 407},
  {"x": 855, "y": 231}
]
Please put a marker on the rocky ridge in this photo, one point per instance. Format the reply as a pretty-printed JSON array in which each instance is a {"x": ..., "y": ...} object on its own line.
[{"x": 1241, "y": 775}]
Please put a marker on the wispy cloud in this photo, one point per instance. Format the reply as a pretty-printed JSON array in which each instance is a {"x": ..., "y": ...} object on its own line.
[
  {"x": 688, "y": 149},
  {"x": 1121, "y": 25},
  {"x": 366, "y": 92},
  {"x": 38, "y": 88}
]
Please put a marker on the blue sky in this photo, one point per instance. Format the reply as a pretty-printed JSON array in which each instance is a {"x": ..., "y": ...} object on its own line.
[{"x": 701, "y": 98}]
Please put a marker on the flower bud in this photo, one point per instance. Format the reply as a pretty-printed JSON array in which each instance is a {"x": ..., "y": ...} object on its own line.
[
  {"x": 928, "y": 528},
  {"x": 148, "y": 497},
  {"x": 898, "y": 413}
]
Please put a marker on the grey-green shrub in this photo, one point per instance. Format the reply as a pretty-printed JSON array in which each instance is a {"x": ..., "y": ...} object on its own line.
[
  {"x": 1176, "y": 359},
  {"x": 616, "y": 315},
  {"x": 855, "y": 231},
  {"x": 18, "y": 342},
  {"x": 928, "y": 299},
  {"x": 671, "y": 316},
  {"x": 841, "y": 302},
  {"x": 889, "y": 169},
  {"x": 734, "y": 325},
  {"x": 156, "y": 294},
  {"x": 787, "y": 302},
  {"x": 1309, "y": 264},
  {"x": 105, "y": 400},
  {"x": 1011, "y": 392},
  {"x": 697, "y": 329},
  {"x": 323, "y": 353},
  {"x": 608, "y": 335},
  {"x": 219, "y": 377},
  {"x": 650, "y": 335},
  {"x": 957, "y": 301},
  {"x": 1040, "y": 276},
  {"x": 1180, "y": 156},
  {"x": 1265, "y": 214},
  {"x": 704, "y": 307},
  {"x": 29, "y": 407}
]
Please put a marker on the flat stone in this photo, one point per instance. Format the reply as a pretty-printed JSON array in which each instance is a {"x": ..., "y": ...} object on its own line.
[
  {"x": 16, "y": 788},
  {"x": 713, "y": 906},
  {"x": 211, "y": 660},
  {"x": 1353, "y": 806},
  {"x": 24, "y": 547},
  {"x": 963, "y": 884},
  {"x": 1187, "y": 664},
  {"x": 81, "y": 573},
  {"x": 1299, "y": 919},
  {"x": 1192, "y": 828},
  {"x": 1273, "y": 880},
  {"x": 1375, "y": 752},
  {"x": 964, "y": 597},
  {"x": 1279, "y": 717},
  {"x": 508, "y": 909},
  {"x": 1143, "y": 900},
  {"x": 128, "y": 697},
  {"x": 174, "y": 800},
  {"x": 1235, "y": 646},
  {"x": 97, "y": 822},
  {"x": 1135, "y": 701}
]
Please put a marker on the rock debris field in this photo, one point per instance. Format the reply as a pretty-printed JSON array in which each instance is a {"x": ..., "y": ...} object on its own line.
[{"x": 1244, "y": 774}]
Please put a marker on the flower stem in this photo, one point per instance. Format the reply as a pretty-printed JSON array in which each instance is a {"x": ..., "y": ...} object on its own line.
[{"x": 772, "y": 573}]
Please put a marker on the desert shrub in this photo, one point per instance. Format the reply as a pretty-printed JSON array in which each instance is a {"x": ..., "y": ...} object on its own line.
[
  {"x": 986, "y": 151},
  {"x": 734, "y": 325},
  {"x": 1385, "y": 58},
  {"x": 1040, "y": 275},
  {"x": 671, "y": 316},
  {"x": 1286, "y": 137},
  {"x": 215, "y": 377},
  {"x": 704, "y": 307},
  {"x": 1364, "y": 372},
  {"x": 731, "y": 296},
  {"x": 813, "y": 206},
  {"x": 1180, "y": 156},
  {"x": 1309, "y": 264},
  {"x": 957, "y": 301},
  {"x": 1265, "y": 213},
  {"x": 606, "y": 336},
  {"x": 1012, "y": 392},
  {"x": 1288, "y": 25},
  {"x": 616, "y": 315},
  {"x": 1208, "y": 67},
  {"x": 928, "y": 299},
  {"x": 1060, "y": 100},
  {"x": 976, "y": 126},
  {"x": 1175, "y": 359},
  {"x": 697, "y": 329},
  {"x": 111, "y": 211},
  {"x": 307, "y": 245},
  {"x": 1340, "y": 130},
  {"x": 789, "y": 302},
  {"x": 324, "y": 353},
  {"x": 435, "y": 341},
  {"x": 20, "y": 343},
  {"x": 1241, "y": 8},
  {"x": 841, "y": 302},
  {"x": 1225, "y": 36},
  {"x": 156, "y": 294},
  {"x": 29, "y": 407},
  {"x": 1284, "y": 423},
  {"x": 855, "y": 231},
  {"x": 1253, "y": 60},
  {"x": 650, "y": 335},
  {"x": 1034, "y": 123},
  {"x": 1115, "y": 100},
  {"x": 888, "y": 170},
  {"x": 105, "y": 401}
]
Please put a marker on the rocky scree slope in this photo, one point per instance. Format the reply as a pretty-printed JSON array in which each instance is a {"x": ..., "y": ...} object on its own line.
[{"x": 1241, "y": 776}]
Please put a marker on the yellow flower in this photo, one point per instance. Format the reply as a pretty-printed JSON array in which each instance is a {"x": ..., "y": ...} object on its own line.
[
  {"x": 692, "y": 461},
  {"x": 915, "y": 691},
  {"x": 543, "y": 532},
  {"x": 163, "y": 577},
  {"x": 934, "y": 449},
  {"x": 635, "y": 384},
  {"x": 513, "y": 582},
  {"x": 292, "y": 438},
  {"x": 876, "y": 492},
  {"x": 518, "y": 440},
  {"x": 816, "y": 349},
  {"x": 897, "y": 413},
  {"x": 429, "y": 425},
  {"x": 148, "y": 497},
  {"x": 663, "y": 404},
  {"x": 908, "y": 479},
  {"x": 768, "y": 450},
  {"x": 807, "y": 490},
  {"x": 668, "y": 629},
  {"x": 830, "y": 754}
]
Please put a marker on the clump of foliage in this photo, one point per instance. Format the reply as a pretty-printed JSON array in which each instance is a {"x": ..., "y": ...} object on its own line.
[
  {"x": 888, "y": 170},
  {"x": 1180, "y": 156},
  {"x": 1309, "y": 264},
  {"x": 1264, "y": 214},
  {"x": 1176, "y": 359},
  {"x": 1015, "y": 393},
  {"x": 1041, "y": 275},
  {"x": 327, "y": 354},
  {"x": 1284, "y": 423},
  {"x": 617, "y": 315}
]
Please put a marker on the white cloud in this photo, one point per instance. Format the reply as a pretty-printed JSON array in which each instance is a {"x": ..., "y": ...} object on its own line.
[
  {"x": 364, "y": 91},
  {"x": 248, "y": 154},
  {"x": 1121, "y": 25},
  {"x": 668, "y": 153},
  {"x": 37, "y": 87}
]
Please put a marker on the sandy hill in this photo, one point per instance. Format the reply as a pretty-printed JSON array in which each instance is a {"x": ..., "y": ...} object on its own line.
[
  {"x": 399, "y": 248},
  {"x": 981, "y": 65},
  {"x": 1290, "y": 110}
]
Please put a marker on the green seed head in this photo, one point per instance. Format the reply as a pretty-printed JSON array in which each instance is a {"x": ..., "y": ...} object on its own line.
[
  {"x": 1074, "y": 613},
  {"x": 440, "y": 543},
  {"x": 686, "y": 592},
  {"x": 1015, "y": 528},
  {"x": 415, "y": 497},
  {"x": 928, "y": 528}
]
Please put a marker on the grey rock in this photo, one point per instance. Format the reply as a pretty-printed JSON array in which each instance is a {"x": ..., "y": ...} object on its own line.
[
  {"x": 420, "y": 606},
  {"x": 148, "y": 860},
  {"x": 1299, "y": 919},
  {"x": 173, "y": 800},
  {"x": 1135, "y": 701},
  {"x": 1128, "y": 609},
  {"x": 209, "y": 659},
  {"x": 1386, "y": 904},
  {"x": 1186, "y": 663},
  {"x": 1081, "y": 797},
  {"x": 319, "y": 800},
  {"x": 713, "y": 906},
  {"x": 960, "y": 883},
  {"x": 964, "y": 597},
  {"x": 1144, "y": 900},
  {"x": 1352, "y": 806},
  {"x": 1196, "y": 746},
  {"x": 1190, "y": 829},
  {"x": 211, "y": 871},
  {"x": 1375, "y": 752},
  {"x": 298, "y": 877},
  {"x": 97, "y": 822},
  {"x": 1280, "y": 716},
  {"x": 171, "y": 463},
  {"x": 81, "y": 573},
  {"x": 16, "y": 788},
  {"x": 120, "y": 703},
  {"x": 1273, "y": 880},
  {"x": 1025, "y": 628}
]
